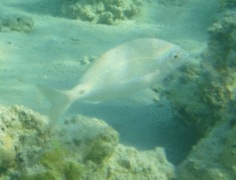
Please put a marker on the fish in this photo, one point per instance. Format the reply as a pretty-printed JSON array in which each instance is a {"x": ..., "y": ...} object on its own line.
[{"x": 120, "y": 72}]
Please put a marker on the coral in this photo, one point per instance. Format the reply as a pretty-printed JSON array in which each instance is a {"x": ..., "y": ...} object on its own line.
[
  {"x": 101, "y": 11},
  {"x": 16, "y": 23}
]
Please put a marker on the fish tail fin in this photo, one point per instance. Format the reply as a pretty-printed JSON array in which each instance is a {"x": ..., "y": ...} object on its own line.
[{"x": 60, "y": 101}]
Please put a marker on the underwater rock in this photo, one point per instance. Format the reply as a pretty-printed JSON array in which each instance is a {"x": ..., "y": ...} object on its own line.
[
  {"x": 7, "y": 152},
  {"x": 207, "y": 88},
  {"x": 213, "y": 157},
  {"x": 85, "y": 60},
  {"x": 225, "y": 4},
  {"x": 98, "y": 147},
  {"x": 93, "y": 138},
  {"x": 79, "y": 148},
  {"x": 228, "y": 156},
  {"x": 203, "y": 99},
  {"x": 16, "y": 23},
  {"x": 128, "y": 163},
  {"x": 204, "y": 95},
  {"x": 22, "y": 135},
  {"x": 101, "y": 11},
  {"x": 171, "y": 2},
  {"x": 222, "y": 42}
]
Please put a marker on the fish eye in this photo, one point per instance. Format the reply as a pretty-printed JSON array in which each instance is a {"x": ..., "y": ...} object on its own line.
[{"x": 176, "y": 56}]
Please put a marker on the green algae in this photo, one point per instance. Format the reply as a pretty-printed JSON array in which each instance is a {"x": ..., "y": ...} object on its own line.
[
  {"x": 73, "y": 171},
  {"x": 56, "y": 166},
  {"x": 48, "y": 175}
]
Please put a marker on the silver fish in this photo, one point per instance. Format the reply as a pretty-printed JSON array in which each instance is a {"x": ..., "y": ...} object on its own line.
[{"x": 120, "y": 72}]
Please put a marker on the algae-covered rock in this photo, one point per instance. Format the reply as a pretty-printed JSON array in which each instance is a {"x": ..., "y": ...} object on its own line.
[
  {"x": 101, "y": 11},
  {"x": 128, "y": 163},
  {"x": 228, "y": 4},
  {"x": 222, "y": 43},
  {"x": 172, "y": 2},
  {"x": 199, "y": 96},
  {"x": 55, "y": 163},
  {"x": 21, "y": 138},
  {"x": 208, "y": 87},
  {"x": 96, "y": 140},
  {"x": 16, "y": 23},
  {"x": 80, "y": 148},
  {"x": 105, "y": 158},
  {"x": 228, "y": 156},
  {"x": 211, "y": 158},
  {"x": 7, "y": 151},
  {"x": 72, "y": 171},
  {"x": 47, "y": 175},
  {"x": 203, "y": 95}
]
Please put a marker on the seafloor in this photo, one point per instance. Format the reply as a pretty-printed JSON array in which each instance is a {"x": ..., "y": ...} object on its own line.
[{"x": 189, "y": 133}]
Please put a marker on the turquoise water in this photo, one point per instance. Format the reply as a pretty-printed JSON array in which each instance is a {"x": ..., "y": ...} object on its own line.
[{"x": 54, "y": 43}]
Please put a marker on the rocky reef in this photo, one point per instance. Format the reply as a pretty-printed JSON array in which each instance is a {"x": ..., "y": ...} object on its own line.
[
  {"x": 101, "y": 11},
  {"x": 228, "y": 4},
  {"x": 171, "y": 2},
  {"x": 203, "y": 95},
  {"x": 80, "y": 148},
  {"x": 16, "y": 23},
  {"x": 213, "y": 157},
  {"x": 207, "y": 93}
]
